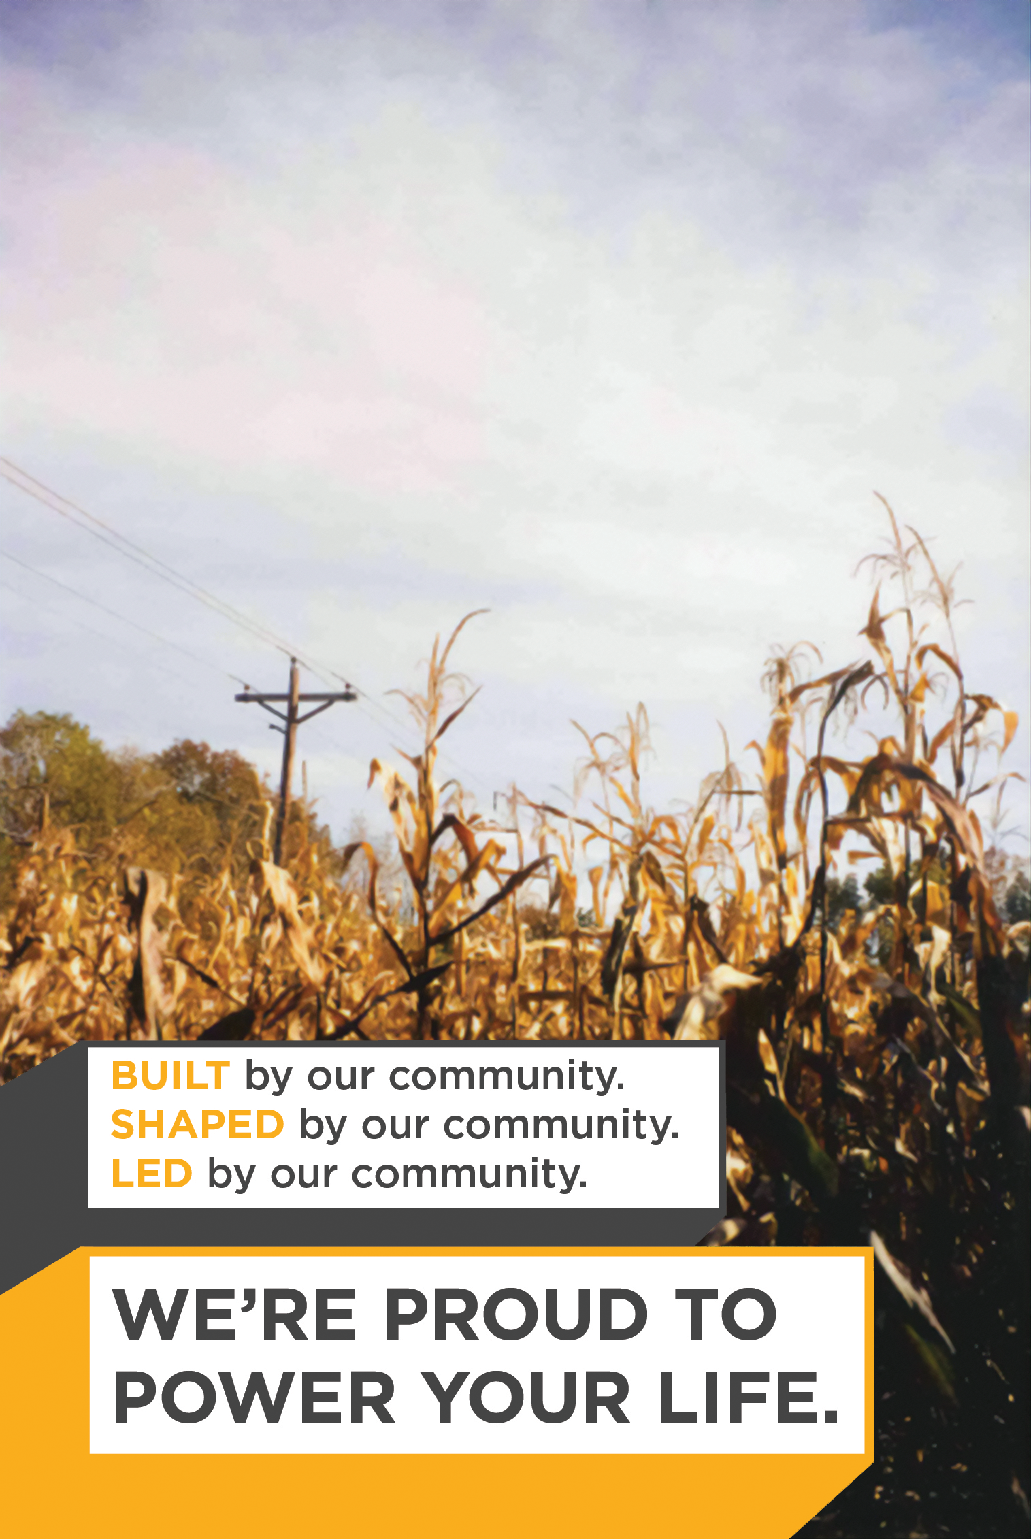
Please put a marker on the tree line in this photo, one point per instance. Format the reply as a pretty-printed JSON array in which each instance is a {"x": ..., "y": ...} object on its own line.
[{"x": 189, "y": 807}]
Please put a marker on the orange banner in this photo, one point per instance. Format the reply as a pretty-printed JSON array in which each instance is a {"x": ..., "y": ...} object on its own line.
[{"x": 56, "y": 1487}]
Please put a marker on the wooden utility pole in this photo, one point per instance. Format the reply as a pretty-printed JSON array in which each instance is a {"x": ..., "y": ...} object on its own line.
[{"x": 293, "y": 699}]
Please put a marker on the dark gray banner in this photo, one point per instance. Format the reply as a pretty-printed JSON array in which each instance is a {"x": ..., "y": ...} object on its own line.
[{"x": 43, "y": 1182}]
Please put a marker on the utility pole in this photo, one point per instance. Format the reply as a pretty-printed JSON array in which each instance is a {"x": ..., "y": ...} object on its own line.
[{"x": 293, "y": 699}]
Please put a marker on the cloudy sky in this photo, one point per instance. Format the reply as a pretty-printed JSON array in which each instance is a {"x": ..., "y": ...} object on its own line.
[{"x": 607, "y": 317}]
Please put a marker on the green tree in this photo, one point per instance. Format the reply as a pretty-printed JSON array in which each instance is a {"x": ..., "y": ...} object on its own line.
[
  {"x": 842, "y": 896},
  {"x": 52, "y": 770},
  {"x": 191, "y": 805},
  {"x": 188, "y": 807},
  {"x": 1017, "y": 904},
  {"x": 880, "y": 885}
]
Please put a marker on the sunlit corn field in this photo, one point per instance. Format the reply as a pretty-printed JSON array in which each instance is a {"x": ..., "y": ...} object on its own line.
[{"x": 876, "y": 1030}]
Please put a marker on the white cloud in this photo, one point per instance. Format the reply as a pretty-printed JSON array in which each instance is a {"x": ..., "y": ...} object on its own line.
[{"x": 608, "y": 318}]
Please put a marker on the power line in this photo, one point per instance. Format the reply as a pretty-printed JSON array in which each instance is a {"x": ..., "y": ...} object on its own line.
[
  {"x": 166, "y": 573},
  {"x": 202, "y": 661},
  {"x": 49, "y": 608},
  {"x": 136, "y": 553}
]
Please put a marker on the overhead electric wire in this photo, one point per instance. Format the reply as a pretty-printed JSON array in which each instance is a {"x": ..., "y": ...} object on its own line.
[
  {"x": 136, "y": 553},
  {"x": 92, "y": 631},
  {"x": 202, "y": 661},
  {"x": 166, "y": 573}
]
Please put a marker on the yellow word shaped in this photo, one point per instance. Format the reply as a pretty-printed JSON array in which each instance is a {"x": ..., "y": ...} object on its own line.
[{"x": 267, "y": 1123}]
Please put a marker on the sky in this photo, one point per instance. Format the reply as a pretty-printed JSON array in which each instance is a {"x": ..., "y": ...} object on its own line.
[{"x": 607, "y": 318}]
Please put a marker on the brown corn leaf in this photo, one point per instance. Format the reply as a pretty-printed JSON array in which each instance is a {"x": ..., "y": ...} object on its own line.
[
  {"x": 917, "y": 1298},
  {"x": 281, "y": 890},
  {"x": 145, "y": 892}
]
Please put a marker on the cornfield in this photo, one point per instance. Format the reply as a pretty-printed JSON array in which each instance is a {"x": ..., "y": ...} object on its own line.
[{"x": 877, "y": 1052}]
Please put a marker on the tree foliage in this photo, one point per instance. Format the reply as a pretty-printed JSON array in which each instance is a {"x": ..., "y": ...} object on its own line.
[
  {"x": 187, "y": 809},
  {"x": 53, "y": 770}
]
